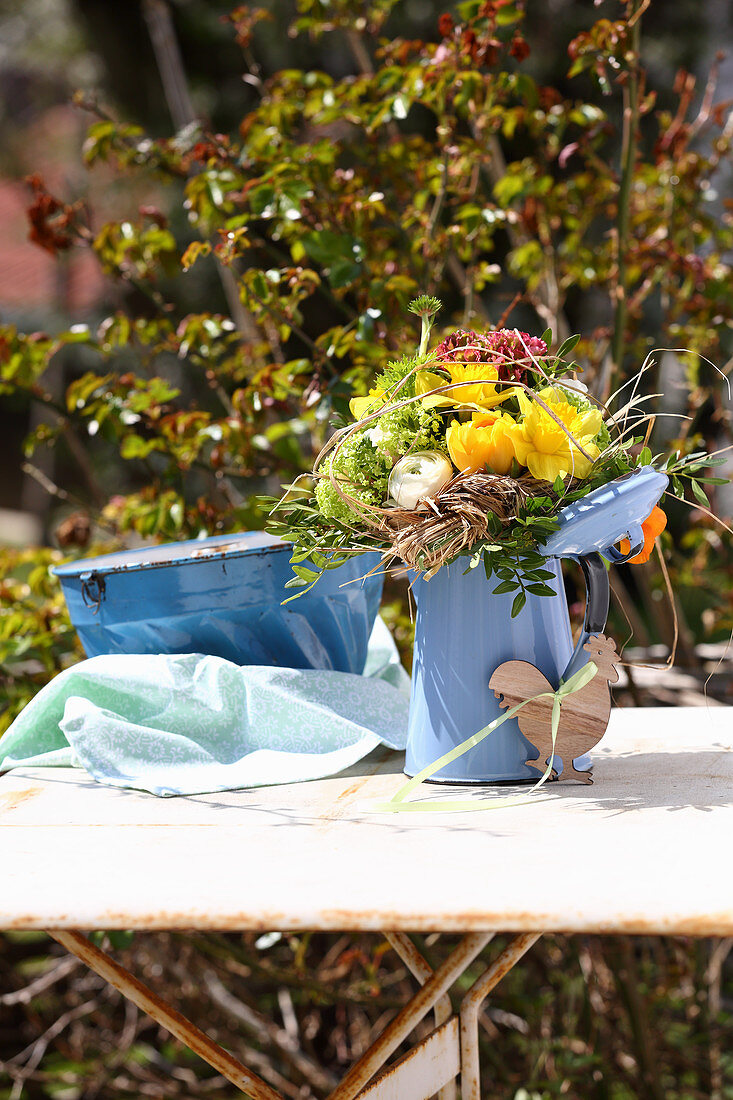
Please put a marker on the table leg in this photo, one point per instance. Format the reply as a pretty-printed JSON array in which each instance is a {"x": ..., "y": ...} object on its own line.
[
  {"x": 419, "y": 968},
  {"x": 471, "y": 1007},
  {"x": 195, "y": 1039},
  {"x": 448, "y": 1052},
  {"x": 395, "y": 1033}
]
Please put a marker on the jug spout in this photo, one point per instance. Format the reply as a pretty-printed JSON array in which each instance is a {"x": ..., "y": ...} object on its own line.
[{"x": 616, "y": 511}]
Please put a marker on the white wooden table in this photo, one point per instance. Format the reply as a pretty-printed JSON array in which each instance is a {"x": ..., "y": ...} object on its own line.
[{"x": 643, "y": 850}]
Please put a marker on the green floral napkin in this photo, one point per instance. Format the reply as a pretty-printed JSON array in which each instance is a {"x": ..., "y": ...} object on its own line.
[{"x": 191, "y": 724}]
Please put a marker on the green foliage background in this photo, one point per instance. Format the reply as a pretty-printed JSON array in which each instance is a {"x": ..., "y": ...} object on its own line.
[{"x": 258, "y": 271}]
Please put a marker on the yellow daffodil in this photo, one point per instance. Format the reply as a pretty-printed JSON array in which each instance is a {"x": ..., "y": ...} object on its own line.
[
  {"x": 362, "y": 406},
  {"x": 541, "y": 444},
  {"x": 427, "y": 380},
  {"x": 484, "y": 441},
  {"x": 476, "y": 390}
]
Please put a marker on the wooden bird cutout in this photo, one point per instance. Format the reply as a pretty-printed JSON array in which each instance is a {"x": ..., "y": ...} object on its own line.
[{"x": 583, "y": 717}]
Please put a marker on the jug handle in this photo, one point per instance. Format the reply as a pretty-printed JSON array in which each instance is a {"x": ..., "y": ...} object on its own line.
[
  {"x": 597, "y": 599},
  {"x": 598, "y": 594}
]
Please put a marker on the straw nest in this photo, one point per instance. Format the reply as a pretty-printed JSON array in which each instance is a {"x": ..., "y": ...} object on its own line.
[{"x": 451, "y": 523}]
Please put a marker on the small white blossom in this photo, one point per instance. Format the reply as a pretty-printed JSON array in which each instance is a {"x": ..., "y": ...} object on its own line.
[
  {"x": 574, "y": 385},
  {"x": 375, "y": 435}
]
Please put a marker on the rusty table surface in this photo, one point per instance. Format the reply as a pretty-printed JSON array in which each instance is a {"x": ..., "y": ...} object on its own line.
[{"x": 645, "y": 849}]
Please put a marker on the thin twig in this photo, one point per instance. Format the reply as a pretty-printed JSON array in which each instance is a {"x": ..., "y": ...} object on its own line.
[
  {"x": 286, "y": 1046},
  {"x": 55, "y": 974},
  {"x": 672, "y": 604},
  {"x": 31, "y": 1055},
  {"x": 628, "y": 164}
]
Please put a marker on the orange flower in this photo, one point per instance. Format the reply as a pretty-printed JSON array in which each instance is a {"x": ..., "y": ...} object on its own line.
[
  {"x": 652, "y": 526},
  {"x": 483, "y": 441}
]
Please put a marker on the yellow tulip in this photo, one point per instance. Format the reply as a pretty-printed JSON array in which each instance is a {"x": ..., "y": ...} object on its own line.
[
  {"x": 483, "y": 441},
  {"x": 476, "y": 390},
  {"x": 362, "y": 406},
  {"x": 541, "y": 444}
]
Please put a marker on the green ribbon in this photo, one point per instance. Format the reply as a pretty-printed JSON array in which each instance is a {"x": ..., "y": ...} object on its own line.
[{"x": 398, "y": 803}]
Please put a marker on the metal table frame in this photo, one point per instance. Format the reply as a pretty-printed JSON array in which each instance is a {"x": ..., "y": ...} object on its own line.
[{"x": 431, "y": 1067}]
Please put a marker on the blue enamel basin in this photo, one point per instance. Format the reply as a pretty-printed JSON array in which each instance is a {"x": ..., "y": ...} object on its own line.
[{"x": 222, "y": 596}]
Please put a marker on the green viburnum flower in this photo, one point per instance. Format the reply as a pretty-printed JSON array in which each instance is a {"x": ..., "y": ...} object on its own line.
[
  {"x": 411, "y": 427},
  {"x": 362, "y": 471},
  {"x": 363, "y": 463}
]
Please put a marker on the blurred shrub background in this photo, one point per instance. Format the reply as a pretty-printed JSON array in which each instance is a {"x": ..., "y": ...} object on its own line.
[{"x": 210, "y": 225}]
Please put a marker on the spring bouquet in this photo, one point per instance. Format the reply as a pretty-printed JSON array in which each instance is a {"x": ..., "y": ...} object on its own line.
[{"x": 471, "y": 450}]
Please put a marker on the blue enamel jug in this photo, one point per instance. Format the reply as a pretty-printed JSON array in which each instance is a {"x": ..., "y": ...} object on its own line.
[{"x": 463, "y": 632}]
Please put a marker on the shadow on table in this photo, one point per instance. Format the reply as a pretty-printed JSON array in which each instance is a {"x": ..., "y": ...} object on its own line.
[
  {"x": 624, "y": 782},
  {"x": 663, "y": 780},
  {"x": 700, "y": 781}
]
